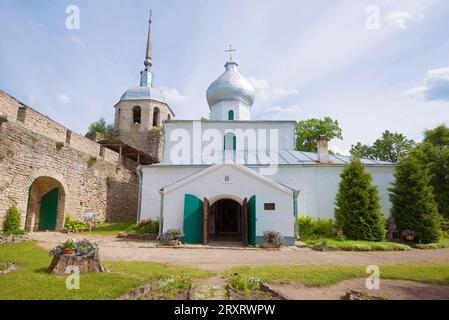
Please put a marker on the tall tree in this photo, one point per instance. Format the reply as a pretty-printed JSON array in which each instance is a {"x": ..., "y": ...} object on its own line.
[
  {"x": 308, "y": 131},
  {"x": 438, "y": 136},
  {"x": 358, "y": 210},
  {"x": 390, "y": 147},
  {"x": 362, "y": 151},
  {"x": 413, "y": 202},
  {"x": 436, "y": 160},
  {"x": 101, "y": 127}
]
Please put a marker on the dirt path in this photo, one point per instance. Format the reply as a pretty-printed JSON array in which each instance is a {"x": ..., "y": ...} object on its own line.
[
  {"x": 389, "y": 289},
  {"x": 112, "y": 248}
]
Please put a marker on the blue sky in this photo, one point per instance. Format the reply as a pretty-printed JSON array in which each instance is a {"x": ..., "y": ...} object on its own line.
[{"x": 305, "y": 58}]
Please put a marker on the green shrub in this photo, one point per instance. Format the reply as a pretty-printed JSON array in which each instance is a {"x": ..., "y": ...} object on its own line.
[
  {"x": 145, "y": 227},
  {"x": 11, "y": 225},
  {"x": 308, "y": 228},
  {"x": 413, "y": 202},
  {"x": 358, "y": 210},
  {"x": 75, "y": 225}
]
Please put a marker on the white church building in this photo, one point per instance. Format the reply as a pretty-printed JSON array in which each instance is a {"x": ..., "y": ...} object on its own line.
[{"x": 231, "y": 178}]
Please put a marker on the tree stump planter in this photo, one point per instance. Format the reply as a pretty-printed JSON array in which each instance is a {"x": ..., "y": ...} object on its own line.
[{"x": 61, "y": 264}]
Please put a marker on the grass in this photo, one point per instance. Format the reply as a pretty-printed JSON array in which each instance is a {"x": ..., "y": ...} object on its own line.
[
  {"x": 321, "y": 276},
  {"x": 31, "y": 280},
  {"x": 350, "y": 245},
  {"x": 111, "y": 228},
  {"x": 442, "y": 243},
  {"x": 3, "y": 265}
]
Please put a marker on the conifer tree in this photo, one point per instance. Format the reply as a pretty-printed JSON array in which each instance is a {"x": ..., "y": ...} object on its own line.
[
  {"x": 413, "y": 202},
  {"x": 358, "y": 210},
  {"x": 12, "y": 220}
]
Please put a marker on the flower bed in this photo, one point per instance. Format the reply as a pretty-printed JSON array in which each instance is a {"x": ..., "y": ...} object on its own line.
[
  {"x": 144, "y": 230},
  {"x": 82, "y": 254},
  {"x": 81, "y": 248}
]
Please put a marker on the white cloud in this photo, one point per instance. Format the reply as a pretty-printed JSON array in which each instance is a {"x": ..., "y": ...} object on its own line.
[
  {"x": 64, "y": 99},
  {"x": 402, "y": 19},
  {"x": 173, "y": 95},
  {"x": 280, "y": 112},
  {"x": 339, "y": 150},
  {"x": 265, "y": 91},
  {"x": 77, "y": 41},
  {"x": 435, "y": 88},
  {"x": 278, "y": 109}
]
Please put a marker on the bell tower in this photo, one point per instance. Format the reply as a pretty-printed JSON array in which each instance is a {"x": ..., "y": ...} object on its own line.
[{"x": 142, "y": 110}]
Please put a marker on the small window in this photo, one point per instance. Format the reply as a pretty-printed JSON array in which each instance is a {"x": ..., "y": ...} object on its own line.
[
  {"x": 230, "y": 141},
  {"x": 68, "y": 136},
  {"x": 269, "y": 206},
  {"x": 168, "y": 118},
  {"x": 137, "y": 115},
  {"x": 231, "y": 115},
  {"x": 156, "y": 116},
  {"x": 227, "y": 179}
]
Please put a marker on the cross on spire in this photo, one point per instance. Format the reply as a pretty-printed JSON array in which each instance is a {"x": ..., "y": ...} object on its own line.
[{"x": 230, "y": 50}]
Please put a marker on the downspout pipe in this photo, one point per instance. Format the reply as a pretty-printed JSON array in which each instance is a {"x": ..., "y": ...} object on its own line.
[
  {"x": 295, "y": 212},
  {"x": 139, "y": 201},
  {"x": 161, "y": 217}
]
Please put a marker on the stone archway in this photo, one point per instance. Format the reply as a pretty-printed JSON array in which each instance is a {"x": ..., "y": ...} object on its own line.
[{"x": 46, "y": 204}]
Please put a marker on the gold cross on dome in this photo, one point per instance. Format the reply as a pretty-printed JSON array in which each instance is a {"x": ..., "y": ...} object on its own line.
[{"x": 230, "y": 50}]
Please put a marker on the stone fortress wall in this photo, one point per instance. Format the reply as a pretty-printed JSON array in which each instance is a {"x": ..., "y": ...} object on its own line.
[{"x": 37, "y": 152}]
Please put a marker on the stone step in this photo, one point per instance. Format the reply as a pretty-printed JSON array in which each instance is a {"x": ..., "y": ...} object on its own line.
[{"x": 209, "y": 289}]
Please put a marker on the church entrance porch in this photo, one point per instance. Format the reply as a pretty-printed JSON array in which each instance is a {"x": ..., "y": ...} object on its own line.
[{"x": 226, "y": 221}]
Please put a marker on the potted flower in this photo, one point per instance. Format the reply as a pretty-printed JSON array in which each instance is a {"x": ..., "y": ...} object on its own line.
[
  {"x": 69, "y": 247},
  {"x": 173, "y": 237},
  {"x": 408, "y": 235}
]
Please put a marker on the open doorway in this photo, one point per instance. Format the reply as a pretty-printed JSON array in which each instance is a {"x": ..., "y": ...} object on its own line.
[{"x": 226, "y": 221}]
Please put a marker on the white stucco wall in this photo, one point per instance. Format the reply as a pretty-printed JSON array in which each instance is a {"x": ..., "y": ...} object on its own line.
[
  {"x": 318, "y": 186},
  {"x": 285, "y": 131}
]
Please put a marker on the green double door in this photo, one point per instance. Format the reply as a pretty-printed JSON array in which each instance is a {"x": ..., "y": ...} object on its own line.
[
  {"x": 49, "y": 210},
  {"x": 194, "y": 219}
]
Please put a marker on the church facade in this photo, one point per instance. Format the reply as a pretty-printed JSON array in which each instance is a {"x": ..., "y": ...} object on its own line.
[{"x": 231, "y": 178}]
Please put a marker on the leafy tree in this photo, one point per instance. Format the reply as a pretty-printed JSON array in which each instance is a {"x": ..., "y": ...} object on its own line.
[
  {"x": 362, "y": 151},
  {"x": 101, "y": 127},
  {"x": 413, "y": 202},
  {"x": 390, "y": 147},
  {"x": 308, "y": 131},
  {"x": 12, "y": 220},
  {"x": 358, "y": 210},
  {"x": 436, "y": 160},
  {"x": 438, "y": 136}
]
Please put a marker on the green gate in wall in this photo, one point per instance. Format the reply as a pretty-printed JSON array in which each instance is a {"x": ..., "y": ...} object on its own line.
[
  {"x": 49, "y": 210},
  {"x": 193, "y": 219},
  {"x": 252, "y": 221}
]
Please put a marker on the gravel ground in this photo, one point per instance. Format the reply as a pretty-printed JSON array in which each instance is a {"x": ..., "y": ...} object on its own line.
[
  {"x": 112, "y": 248},
  {"x": 389, "y": 289}
]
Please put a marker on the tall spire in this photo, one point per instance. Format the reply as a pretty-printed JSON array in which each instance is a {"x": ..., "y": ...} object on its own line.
[
  {"x": 146, "y": 76},
  {"x": 148, "y": 63}
]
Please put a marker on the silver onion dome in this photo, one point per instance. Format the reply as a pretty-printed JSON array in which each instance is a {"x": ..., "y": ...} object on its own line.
[{"x": 230, "y": 86}]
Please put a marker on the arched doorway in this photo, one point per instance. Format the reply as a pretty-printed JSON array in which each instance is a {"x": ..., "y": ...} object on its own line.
[
  {"x": 46, "y": 202},
  {"x": 226, "y": 221}
]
